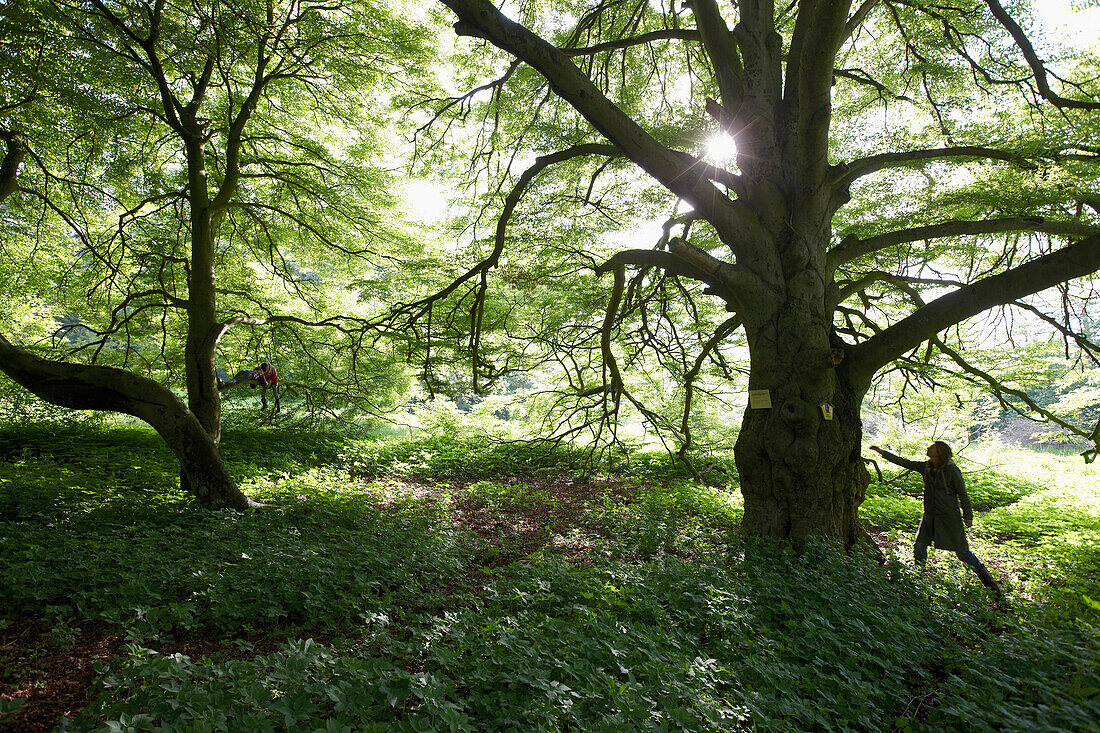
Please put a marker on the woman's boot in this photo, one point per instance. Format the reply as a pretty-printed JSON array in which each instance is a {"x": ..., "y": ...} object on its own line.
[{"x": 989, "y": 582}]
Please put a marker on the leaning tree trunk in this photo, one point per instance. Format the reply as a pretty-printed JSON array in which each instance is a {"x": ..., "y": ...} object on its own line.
[
  {"x": 83, "y": 387},
  {"x": 191, "y": 435}
]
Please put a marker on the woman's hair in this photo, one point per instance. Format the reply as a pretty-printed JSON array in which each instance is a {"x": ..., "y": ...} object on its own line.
[
  {"x": 943, "y": 450},
  {"x": 267, "y": 365}
]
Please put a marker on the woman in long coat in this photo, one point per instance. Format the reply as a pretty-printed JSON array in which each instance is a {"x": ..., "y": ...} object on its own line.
[{"x": 942, "y": 525}]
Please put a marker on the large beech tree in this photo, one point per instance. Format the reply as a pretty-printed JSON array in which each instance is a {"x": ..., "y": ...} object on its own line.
[
  {"x": 199, "y": 167},
  {"x": 901, "y": 167}
]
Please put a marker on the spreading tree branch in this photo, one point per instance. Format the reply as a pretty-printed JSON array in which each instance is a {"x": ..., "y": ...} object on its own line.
[
  {"x": 852, "y": 247},
  {"x": 1000, "y": 389},
  {"x": 1072, "y": 261},
  {"x": 1037, "y": 67},
  {"x": 720, "y": 334}
]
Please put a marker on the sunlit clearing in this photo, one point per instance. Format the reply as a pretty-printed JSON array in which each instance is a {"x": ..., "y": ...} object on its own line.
[{"x": 720, "y": 148}]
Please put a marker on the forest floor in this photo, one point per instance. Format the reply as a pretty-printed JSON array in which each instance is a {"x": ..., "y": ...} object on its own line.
[
  {"x": 126, "y": 607},
  {"x": 50, "y": 669}
]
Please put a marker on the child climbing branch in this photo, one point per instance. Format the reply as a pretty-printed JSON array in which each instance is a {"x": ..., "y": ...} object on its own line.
[{"x": 264, "y": 376}]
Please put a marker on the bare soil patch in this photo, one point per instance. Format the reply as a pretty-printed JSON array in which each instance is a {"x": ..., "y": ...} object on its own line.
[{"x": 50, "y": 669}]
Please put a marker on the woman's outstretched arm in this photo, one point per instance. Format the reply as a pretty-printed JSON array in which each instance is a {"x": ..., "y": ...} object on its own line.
[{"x": 903, "y": 462}]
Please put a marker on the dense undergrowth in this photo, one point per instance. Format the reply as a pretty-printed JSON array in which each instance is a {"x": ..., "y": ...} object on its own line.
[{"x": 463, "y": 585}]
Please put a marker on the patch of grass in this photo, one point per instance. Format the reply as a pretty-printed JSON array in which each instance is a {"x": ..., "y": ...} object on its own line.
[
  {"x": 659, "y": 466},
  {"x": 696, "y": 646},
  {"x": 681, "y": 517},
  {"x": 1057, "y": 667},
  {"x": 442, "y": 457},
  {"x": 991, "y": 489},
  {"x": 1068, "y": 514},
  {"x": 665, "y": 618},
  {"x": 885, "y": 509},
  {"x": 324, "y": 552},
  {"x": 1054, "y": 538},
  {"x": 498, "y": 495}
]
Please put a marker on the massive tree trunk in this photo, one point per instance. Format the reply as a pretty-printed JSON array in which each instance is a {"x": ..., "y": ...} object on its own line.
[
  {"x": 798, "y": 451},
  {"x": 799, "y": 460},
  {"x": 83, "y": 387}
]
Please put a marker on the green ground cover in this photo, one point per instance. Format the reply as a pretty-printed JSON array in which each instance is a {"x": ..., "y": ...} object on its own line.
[{"x": 461, "y": 585}]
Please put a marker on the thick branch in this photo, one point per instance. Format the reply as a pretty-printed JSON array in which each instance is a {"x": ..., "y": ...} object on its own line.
[
  {"x": 846, "y": 174},
  {"x": 1034, "y": 61},
  {"x": 720, "y": 334},
  {"x": 666, "y": 261},
  {"x": 1075, "y": 260},
  {"x": 668, "y": 34},
  {"x": 235, "y": 134},
  {"x": 686, "y": 260},
  {"x": 852, "y": 248},
  {"x": 877, "y": 276},
  {"x": 858, "y": 17},
  {"x": 610, "y": 363},
  {"x": 819, "y": 30},
  {"x": 722, "y": 51},
  {"x": 243, "y": 383}
]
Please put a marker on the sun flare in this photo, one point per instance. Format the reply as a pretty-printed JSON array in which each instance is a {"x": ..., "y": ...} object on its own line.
[{"x": 720, "y": 148}]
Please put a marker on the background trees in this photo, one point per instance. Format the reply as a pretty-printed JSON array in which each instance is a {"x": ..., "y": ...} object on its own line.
[{"x": 195, "y": 168}]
